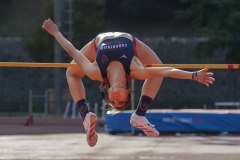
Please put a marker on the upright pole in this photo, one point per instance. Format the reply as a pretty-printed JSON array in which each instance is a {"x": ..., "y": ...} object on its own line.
[
  {"x": 132, "y": 101},
  {"x": 30, "y": 103},
  {"x": 58, "y": 58},
  {"x": 46, "y": 105}
]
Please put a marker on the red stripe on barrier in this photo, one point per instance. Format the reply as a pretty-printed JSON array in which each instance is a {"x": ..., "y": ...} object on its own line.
[
  {"x": 239, "y": 66},
  {"x": 230, "y": 66},
  {"x": 148, "y": 65}
]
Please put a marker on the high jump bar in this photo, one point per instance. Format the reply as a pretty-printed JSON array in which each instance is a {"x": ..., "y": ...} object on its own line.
[{"x": 66, "y": 65}]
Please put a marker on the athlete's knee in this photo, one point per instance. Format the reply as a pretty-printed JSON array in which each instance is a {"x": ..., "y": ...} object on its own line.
[
  {"x": 68, "y": 72},
  {"x": 72, "y": 71}
]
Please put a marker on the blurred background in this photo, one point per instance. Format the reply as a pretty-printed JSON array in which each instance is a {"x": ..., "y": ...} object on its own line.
[{"x": 179, "y": 31}]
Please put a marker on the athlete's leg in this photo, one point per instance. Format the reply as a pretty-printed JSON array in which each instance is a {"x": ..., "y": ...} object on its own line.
[
  {"x": 74, "y": 78},
  {"x": 77, "y": 90},
  {"x": 147, "y": 56},
  {"x": 149, "y": 90}
]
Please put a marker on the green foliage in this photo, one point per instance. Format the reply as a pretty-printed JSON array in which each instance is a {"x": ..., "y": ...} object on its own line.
[
  {"x": 220, "y": 20},
  {"x": 88, "y": 20},
  {"x": 142, "y": 11},
  {"x": 88, "y": 17},
  {"x": 91, "y": 17},
  {"x": 40, "y": 45}
]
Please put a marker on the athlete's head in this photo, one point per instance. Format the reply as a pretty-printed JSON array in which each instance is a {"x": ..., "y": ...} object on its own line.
[
  {"x": 118, "y": 94},
  {"x": 117, "y": 98}
]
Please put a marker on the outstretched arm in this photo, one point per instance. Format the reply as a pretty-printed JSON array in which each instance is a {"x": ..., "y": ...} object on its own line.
[
  {"x": 201, "y": 76},
  {"x": 88, "y": 68}
]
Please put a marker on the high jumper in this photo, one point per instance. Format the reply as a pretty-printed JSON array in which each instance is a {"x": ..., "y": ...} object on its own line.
[{"x": 113, "y": 58}]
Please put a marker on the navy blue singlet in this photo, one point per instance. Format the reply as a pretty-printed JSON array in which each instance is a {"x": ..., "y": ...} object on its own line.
[{"x": 116, "y": 49}]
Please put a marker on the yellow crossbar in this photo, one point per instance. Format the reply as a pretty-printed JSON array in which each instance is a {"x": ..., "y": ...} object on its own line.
[
  {"x": 65, "y": 65},
  {"x": 34, "y": 65},
  {"x": 197, "y": 66}
]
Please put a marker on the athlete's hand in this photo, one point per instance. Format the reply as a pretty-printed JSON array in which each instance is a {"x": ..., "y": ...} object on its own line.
[
  {"x": 204, "y": 77},
  {"x": 50, "y": 27}
]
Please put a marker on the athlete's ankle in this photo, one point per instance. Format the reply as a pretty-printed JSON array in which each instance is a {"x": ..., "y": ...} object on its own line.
[
  {"x": 82, "y": 107},
  {"x": 143, "y": 105}
]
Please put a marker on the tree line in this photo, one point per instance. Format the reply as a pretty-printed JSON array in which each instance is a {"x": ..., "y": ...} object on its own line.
[{"x": 218, "y": 20}]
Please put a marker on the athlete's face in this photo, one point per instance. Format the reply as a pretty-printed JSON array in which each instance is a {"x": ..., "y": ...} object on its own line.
[{"x": 118, "y": 96}]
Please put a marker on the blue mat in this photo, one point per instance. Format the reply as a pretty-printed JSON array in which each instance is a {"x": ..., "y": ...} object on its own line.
[{"x": 179, "y": 121}]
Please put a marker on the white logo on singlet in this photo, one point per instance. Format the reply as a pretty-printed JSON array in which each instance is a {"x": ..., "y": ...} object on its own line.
[
  {"x": 123, "y": 56},
  {"x": 119, "y": 45}
]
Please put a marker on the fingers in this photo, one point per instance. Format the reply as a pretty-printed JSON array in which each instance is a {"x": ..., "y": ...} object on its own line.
[
  {"x": 50, "y": 27},
  {"x": 206, "y": 84},
  {"x": 203, "y": 70},
  {"x": 205, "y": 77},
  {"x": 209, "y": 74},
  {"x": 47, "y": 23},
  {"x": 209, "y": 79}
]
